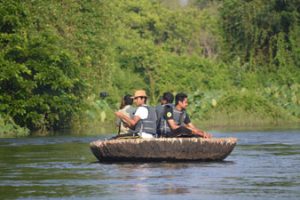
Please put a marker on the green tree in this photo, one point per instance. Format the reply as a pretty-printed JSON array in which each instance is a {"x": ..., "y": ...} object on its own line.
[
  {"x": 40, "y": 83},
  {"x": 261, "y": 32}
]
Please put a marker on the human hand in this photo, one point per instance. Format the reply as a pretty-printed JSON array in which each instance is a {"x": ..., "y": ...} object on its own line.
[
  {"x": 203, "y": 134},
  {"x": 206, "y": 135},
  {"x": 118, "y": 114}
]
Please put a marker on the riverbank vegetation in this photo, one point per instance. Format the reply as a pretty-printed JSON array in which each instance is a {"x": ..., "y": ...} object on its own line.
[{"x": 238, "y": 60}]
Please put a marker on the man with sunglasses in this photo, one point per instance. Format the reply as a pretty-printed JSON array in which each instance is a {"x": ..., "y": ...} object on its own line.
[{"x": 144, "y": 120}]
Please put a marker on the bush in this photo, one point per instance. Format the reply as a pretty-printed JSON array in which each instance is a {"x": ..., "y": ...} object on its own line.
[{"x": 8, "y": 128}]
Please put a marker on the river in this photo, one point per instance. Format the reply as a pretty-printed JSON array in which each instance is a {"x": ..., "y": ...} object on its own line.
[{"x": 263, "y": 165}]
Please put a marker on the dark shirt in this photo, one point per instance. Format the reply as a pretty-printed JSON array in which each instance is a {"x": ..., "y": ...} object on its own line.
[
  {"x": 159, "y": 111},
  {"x": 168, "y": 114}
]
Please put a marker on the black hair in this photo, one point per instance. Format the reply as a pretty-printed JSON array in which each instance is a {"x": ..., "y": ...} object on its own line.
[
  {"x": 127, "y": 99},
  {"x": 180, "y": 97},
  {"x": 168, "y": 96}
]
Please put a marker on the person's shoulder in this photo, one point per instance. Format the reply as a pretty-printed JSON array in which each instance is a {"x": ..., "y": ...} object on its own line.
[
  {"x": 168, "y": 112},
  {"x": 130, "y": 107},
  {"x": 168, "y": 107},
  {"x": 159, "y": 106},
  {"x": 142, "y": 108}
]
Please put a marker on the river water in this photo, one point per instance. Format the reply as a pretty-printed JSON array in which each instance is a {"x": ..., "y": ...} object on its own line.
[{"x": 263, "y": 165}]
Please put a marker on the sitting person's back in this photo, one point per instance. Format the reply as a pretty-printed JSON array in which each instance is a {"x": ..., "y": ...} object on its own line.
[
  {"x": 126, "y": 108},
  {"x": 163, "y": 128}
]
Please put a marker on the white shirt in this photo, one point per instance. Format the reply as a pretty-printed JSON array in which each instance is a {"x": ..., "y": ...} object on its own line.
[{"x": 142, "y": 112}]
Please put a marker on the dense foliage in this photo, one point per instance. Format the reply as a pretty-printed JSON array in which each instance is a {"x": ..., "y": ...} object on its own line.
[
  {"x": 232, "y": 56},
  {"x": 40, "y": 80},
  {"x": 264, "y": 36}
]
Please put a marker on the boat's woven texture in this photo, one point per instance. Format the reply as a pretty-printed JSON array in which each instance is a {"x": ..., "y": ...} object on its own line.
[{"x": 172, "y": 149}]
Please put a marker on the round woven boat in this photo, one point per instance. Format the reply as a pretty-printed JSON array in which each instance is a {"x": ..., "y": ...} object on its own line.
[{"x": 163, "y": 149}]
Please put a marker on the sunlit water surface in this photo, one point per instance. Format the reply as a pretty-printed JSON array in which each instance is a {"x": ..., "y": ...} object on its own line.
[{"x": 263, "y": 165}]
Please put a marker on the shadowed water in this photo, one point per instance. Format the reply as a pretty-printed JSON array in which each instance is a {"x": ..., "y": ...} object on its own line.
[{"x": 264, "y": 165}]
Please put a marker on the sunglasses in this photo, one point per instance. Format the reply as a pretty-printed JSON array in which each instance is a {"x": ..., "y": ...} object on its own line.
[{"x": 139, "y": 97}]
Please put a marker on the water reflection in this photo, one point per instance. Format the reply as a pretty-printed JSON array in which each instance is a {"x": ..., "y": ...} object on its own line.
[{"x": 173, "y": 189}]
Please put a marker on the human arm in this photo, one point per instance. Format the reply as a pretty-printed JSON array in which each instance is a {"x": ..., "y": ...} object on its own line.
[
  {"x": 131, "y": 122},
  {"x": 172, "y": 124},
  {"x": 168, "y": 115},
  {"x": 198, "y": 131},
  {"x": 194, "y": 129}
]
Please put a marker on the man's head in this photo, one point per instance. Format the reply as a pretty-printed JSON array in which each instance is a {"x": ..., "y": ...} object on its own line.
[
  {"x": 167, "y": 98},
  {"x": 181, "y": 100},
  {"x": 140, "y": 97}
]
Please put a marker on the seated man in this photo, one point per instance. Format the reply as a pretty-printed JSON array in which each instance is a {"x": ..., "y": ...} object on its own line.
[
  {"x": 144, "y": 120},
  {"x": 179, "y": 120},
  {"x": 163, "y": 128}
]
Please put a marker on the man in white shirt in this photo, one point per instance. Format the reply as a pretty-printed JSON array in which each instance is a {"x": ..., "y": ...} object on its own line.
[{"x": 143, "y": 123}]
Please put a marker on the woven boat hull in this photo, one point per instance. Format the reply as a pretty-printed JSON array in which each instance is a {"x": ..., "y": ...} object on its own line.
[{"x": 163, "y": 149}]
